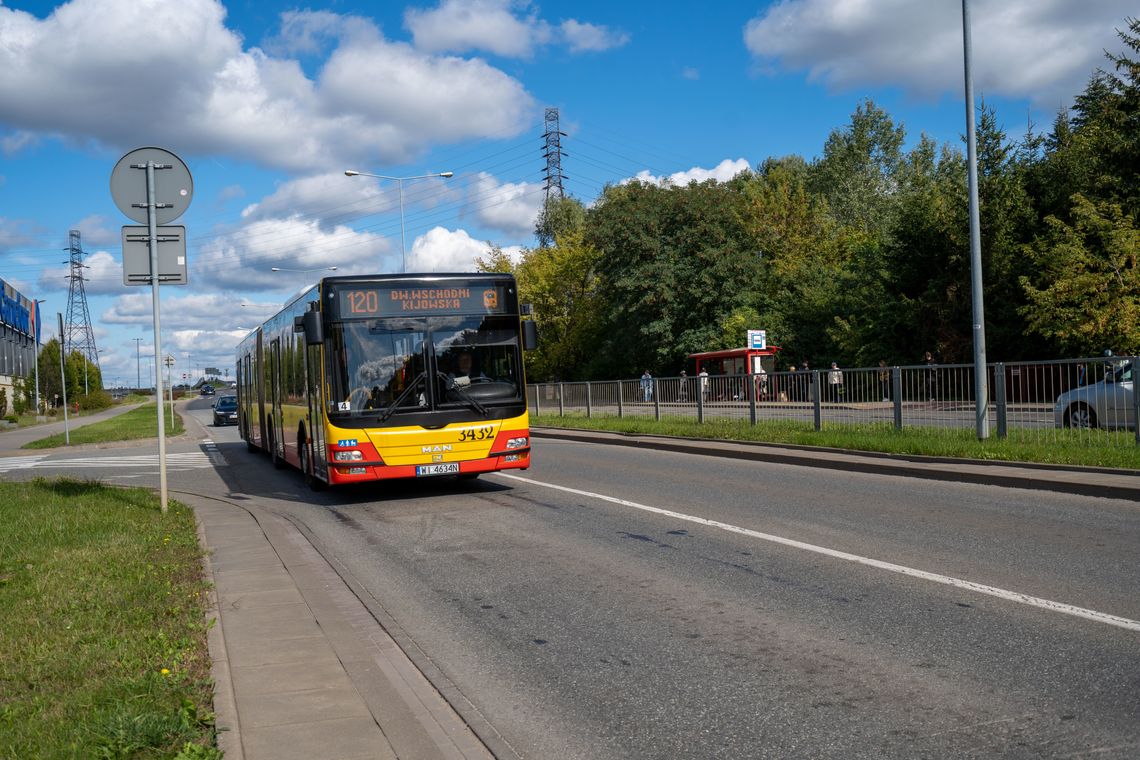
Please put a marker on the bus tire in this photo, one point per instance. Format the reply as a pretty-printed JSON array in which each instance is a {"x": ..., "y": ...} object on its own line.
[
  {"x": 278, "y": 462},
  {"x": 311, "y": 479}
]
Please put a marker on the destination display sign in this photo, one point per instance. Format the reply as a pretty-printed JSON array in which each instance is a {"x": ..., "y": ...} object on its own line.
[{"x": 381, "y": 300}]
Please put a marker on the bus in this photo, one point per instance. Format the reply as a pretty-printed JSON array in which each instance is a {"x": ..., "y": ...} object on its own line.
[{"x": 367, "y": 378}]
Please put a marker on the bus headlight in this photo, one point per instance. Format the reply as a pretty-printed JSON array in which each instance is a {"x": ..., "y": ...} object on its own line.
[
  {"x": 347, "y": 456},
  {"x": 517, "y": 443}
]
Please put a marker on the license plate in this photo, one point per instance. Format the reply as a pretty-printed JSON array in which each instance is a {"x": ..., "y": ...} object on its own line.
[{"x": 450, "y": 468}]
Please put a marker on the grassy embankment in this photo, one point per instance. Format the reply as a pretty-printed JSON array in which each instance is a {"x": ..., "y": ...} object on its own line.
[
  {"x": 137, "y": 423},
  {"x": 1090, "y": 448},
  {"x": 104, "y": 634}
]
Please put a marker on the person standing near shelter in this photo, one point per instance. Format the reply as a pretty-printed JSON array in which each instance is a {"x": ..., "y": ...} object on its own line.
[
  {"x": 884, "y": 380},
  {"x": 835, "y": 382},
  {"x": 683, "y": 391},
  {"x": 931, "y": 376},
  {"x": 647, "y": 386},
  {"x": 704, "y": 375}
]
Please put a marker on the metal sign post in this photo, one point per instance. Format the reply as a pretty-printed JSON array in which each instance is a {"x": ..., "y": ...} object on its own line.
[{"x": 176, "y": 189}]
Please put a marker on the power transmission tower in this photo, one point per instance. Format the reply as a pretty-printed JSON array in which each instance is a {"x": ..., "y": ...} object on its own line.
[
  {"x": 78, "y": 333},
  {"x": 553, "y": 181}
]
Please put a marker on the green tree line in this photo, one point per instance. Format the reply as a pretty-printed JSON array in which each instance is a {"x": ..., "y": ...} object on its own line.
[{"x": 859, "y": 254}]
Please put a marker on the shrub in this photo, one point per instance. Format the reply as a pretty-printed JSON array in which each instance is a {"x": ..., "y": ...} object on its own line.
[{"x": 95, "y": 400}]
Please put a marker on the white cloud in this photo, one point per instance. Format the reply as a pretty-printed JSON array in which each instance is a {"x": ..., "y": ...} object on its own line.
[
  {"x": 103, "y": 276},
  {"x": 1044, "y": 50},
  {"x": 583, "y": 37},
  {"x": 373, "y": 99},
  {"x": 442, "y": 250},
  {"x": 244, "y": 258},
  {"x": 93, "y": 230},
  {"x": 503, "y": 27},
  {"x": 511, "y": 208},
  {"x": 461, "y": 25},
  {"x": 722, "y": 172}
]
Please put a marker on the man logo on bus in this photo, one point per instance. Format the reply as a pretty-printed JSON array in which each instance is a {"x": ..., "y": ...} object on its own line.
[{"x": 490, "y": 299}]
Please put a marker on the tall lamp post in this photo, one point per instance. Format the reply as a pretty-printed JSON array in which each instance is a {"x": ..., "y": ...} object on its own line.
[
  {"x": 138, "y": 365},
  {"x": 400, "y": 183},
  {"x": 981, "y": 388},
  {"x": 37, "y": 339}
]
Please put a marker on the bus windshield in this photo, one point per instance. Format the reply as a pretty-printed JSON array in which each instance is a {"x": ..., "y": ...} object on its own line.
[{"x": 385, "y": 367}]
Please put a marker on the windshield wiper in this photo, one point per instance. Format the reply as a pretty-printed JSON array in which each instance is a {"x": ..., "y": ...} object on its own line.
[
  {"x": 391, "y": 408},
  {"x": 462, "y": 393}
]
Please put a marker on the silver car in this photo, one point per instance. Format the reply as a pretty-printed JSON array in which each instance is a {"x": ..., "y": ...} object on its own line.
[{"x": 1107, "y": 404}]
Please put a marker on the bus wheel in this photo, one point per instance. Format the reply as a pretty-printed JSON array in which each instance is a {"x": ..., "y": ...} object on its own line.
[
  {"x": 278, "y": 462},
  {"x": 311, "y": 478}
]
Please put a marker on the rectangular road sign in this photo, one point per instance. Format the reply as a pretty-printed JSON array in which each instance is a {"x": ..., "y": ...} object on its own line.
[{"x": 171, "y": 255}]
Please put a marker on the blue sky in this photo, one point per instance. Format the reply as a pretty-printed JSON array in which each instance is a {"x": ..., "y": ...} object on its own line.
[{"x": 269, "y": 103}]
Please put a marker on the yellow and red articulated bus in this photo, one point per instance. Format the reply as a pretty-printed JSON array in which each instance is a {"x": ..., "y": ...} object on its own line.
[{"x": 390, "y": 376}]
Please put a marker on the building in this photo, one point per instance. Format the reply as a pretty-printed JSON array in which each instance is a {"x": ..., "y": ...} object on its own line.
[{"x": 19, "y": 331}]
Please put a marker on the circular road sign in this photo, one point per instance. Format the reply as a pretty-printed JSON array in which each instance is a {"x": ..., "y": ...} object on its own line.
[{"x": 173, "y": 186}]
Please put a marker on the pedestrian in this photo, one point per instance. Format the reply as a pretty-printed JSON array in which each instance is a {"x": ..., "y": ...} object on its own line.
[
  {"x": 704, "y": 375},
  {"x": 805, "y": 381},
  {"x": 884, "y": 380},
  {"x": 683, "y": 391},
  {"x": 835, "y": 382},
  {"x": 931, "y": 376},
  {"x": 647, "y": 386},
  {"x": 761, "y": 383}
]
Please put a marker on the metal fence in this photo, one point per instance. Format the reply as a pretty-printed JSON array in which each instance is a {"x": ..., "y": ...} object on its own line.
[{"x": 1085, "y": 400}]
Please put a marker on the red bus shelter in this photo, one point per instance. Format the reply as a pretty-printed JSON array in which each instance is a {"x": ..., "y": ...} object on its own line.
[{"x": 727, "y": 365}]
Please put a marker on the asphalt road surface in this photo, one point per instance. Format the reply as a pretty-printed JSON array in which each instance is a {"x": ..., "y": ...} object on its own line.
[{"x": 622, "y": 603}]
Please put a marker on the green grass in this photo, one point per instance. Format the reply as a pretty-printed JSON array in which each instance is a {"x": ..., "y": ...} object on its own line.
[
  {"x": 103, "y": 636},
  {"x": 1091, "y": 448},
  {"x": 137, "y": 423}
]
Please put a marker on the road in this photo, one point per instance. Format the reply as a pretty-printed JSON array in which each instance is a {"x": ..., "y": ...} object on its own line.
[{"x": 622, "y": 603}]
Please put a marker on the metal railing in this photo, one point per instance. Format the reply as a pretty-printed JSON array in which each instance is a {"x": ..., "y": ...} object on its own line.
[{"x": 1085, "y": 400}]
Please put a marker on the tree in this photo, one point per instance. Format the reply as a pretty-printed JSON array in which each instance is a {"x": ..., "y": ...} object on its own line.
[
  {"x": 674, "y": 261},
  {"x": 1087, "y": 296},
  {"x": 559, "y": 217},
  {"x": 858, "y": 172}
]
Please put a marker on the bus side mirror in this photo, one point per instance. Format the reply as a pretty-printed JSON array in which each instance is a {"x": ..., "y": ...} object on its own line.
[
  {"x": 530, "y": 335},
  {"x": 310, "y": 323}
]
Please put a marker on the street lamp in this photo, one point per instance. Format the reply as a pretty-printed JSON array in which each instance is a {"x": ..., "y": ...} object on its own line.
[
  {"x": 138, "y": 365},
  {"x": 400, "y": 183}
]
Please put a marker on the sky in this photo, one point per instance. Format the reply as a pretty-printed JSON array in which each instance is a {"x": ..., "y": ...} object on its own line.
[{"x": 268, "y": 104}]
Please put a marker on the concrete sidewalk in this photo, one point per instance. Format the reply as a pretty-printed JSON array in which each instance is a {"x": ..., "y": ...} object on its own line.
[
  {"x": 1083, "y": 481},
  {"x": 301, "y": 667}
]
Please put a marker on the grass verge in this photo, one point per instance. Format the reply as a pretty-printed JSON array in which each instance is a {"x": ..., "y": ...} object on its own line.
[
  {"x": 1089, "y": 448},
  {"x": 104, "y": 634},
  {"x": 137, "y": 423}
]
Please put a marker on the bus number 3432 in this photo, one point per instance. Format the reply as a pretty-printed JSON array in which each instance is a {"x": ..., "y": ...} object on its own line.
[{"x": 476, "y": 434}]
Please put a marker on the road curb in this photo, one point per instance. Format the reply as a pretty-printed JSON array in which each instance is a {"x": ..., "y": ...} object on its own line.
[{"x": 1097, "y": 482}]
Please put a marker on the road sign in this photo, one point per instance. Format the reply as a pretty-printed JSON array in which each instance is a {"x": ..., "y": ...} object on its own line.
[
  {"x": 171, "y": 255},
  {"x": 173, "y": 185},
  {"x": 758, "y": 339}
]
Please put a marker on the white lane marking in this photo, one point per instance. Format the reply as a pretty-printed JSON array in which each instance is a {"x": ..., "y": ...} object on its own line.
[
  {"x": 1012, "y": 596},
  {"x": 8, "y": 464},
  {"x": 193, "y": 460}
]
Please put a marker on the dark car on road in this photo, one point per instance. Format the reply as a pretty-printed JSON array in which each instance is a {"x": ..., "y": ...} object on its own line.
[
  {"x": 225, "y": 411},
  {"x": 207, "y": 390}
]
